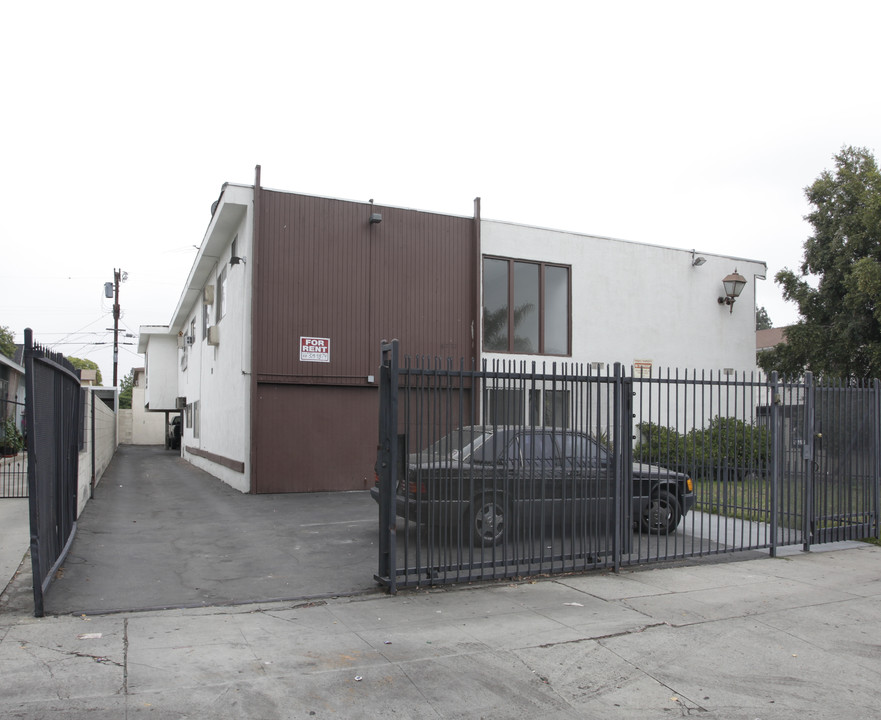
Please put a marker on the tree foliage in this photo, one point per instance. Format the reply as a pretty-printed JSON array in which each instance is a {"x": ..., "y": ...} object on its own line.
[
  {"x": 838, "y": 287},
  {"x": 763, "y": 320},
  {"x": 81, "y": 364},
  {"x": 125, "y": 390},
  {"x": 7, "y": 341}
]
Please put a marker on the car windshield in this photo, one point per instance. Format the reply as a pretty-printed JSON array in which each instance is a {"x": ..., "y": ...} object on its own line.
[{"x": 458, "y": 444}]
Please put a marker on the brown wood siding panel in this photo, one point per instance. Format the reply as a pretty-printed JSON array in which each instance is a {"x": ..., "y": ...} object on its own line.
[
  {"x": 315, "y": 438},
  {"x": 324, "y": 271},
  {"x": 423, "y": 290}
]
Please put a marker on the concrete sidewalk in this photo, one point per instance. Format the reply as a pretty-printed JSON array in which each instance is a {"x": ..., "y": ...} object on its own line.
[
  {"x": 15, "y": 536},
  {"x": 789, "y": 637}
]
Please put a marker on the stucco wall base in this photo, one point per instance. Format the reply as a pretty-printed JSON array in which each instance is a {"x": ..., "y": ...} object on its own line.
[{"x": 236, "y": 480}]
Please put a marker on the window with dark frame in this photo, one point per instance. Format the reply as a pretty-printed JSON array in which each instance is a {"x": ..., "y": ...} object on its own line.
[
  {"x": 526, "y": 307},
  {"x": 503, "y": 406}
]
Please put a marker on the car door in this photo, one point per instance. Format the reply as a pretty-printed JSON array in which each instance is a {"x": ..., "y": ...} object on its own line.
[
  {"x": 588, "y": 480},
  {"x": 540, "y": 472}
]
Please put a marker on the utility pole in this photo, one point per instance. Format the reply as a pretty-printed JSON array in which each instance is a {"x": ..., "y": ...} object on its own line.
[
  {"x": 112, "y": 290},
  {"x": 116, "y": 274}
]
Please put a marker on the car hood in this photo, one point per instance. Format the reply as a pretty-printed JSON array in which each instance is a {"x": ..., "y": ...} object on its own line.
[{"x": 644, "y": 469}]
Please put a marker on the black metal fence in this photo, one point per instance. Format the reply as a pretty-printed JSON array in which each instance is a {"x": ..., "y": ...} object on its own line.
[
  {"x": 13, "y": 450},
  {"x": 52, "y": 399},
  {"x": 510, "y": 471}
]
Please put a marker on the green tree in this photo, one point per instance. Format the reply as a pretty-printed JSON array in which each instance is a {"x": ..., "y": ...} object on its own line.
[
  {"x": 125, "y": 390},
  {"x": 81, "y": 364},
  {"x": 7, "y": 341},
  {"x": 838, "y": 288},
  {"x": 763, "y": 320}
]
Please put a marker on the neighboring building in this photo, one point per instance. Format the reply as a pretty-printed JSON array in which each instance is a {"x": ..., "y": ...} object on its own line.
[
  {"x": 273, "y": 348},
  {"x": 770, "y": 338},
  {"x": 12, "y": 390},
  {"x": 137, "y": 426},
  {"x": 88, "y": 378}
]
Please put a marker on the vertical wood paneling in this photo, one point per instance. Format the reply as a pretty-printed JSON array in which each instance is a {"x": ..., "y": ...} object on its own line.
[
  {"x": 317, "y": 438},
  {"x": 325, "y": 271}
]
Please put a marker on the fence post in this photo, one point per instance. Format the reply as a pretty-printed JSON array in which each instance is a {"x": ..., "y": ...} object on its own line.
[
  {"x": 876, "y": 459},
  {"x": 776, "y": 440},
  {"x": 808, "y": 457},
  {"x": 622, "y": 450},
  {"x": 387, "y": 463}
]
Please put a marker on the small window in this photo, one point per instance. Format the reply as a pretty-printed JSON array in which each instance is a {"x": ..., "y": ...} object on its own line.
[
  {"x": 504, "y": 407},
  {"x": 549, "y": 408},
  {"x": 206, "y": 318},
  {"x": 220, "y": 308}
]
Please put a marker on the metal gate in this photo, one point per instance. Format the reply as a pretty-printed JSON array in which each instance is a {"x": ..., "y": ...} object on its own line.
[
  {"x": 515, "y": 470},
  {"x": 52, "y": 403}
]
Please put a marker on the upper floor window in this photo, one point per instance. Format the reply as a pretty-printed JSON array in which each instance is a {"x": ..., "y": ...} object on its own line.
[
  {"x": 526, "y": 307},
  {"x": 221, "y": 295}
]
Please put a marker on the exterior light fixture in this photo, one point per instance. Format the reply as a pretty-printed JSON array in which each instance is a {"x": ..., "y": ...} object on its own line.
[
  {"x": 375, "y": 217},
  {"x": 697, "y": 260},
  {"x": 235, "y": 260},
  {"x": 733, "y": 284}
]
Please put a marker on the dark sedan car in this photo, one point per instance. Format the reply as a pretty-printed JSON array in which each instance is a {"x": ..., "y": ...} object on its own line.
[
  {"x": 489, "y": 480},
  {"x": 172, "y": 439}
]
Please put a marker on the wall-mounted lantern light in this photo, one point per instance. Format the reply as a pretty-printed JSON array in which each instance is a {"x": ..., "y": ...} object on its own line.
[{"x": 733, "y": 284}]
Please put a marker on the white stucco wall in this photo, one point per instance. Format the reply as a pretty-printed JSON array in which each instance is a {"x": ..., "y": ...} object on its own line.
[
  {"x": 218, "y": 376},
  {"x": 160, "y": 390},
  {"x": 632, "y": 301},
  {"x": 147, "y": 428},
  {"x": 636, "y": 303}
]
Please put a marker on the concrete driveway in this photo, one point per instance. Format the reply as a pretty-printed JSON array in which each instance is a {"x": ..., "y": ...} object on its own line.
[{"x": 161, "y": 533}]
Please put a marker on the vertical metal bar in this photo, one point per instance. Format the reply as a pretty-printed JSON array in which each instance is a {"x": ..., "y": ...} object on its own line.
[
  {"x": 92, "y": 440},
  {"x": 876, "y": 458},
  {"x": 388, "y": 462},
  {"x": 775, "y": 457},
  {"x": 33, "y": 504},
  {"x": 618, "y": 450},
  {"x": 808, "y": 462}
]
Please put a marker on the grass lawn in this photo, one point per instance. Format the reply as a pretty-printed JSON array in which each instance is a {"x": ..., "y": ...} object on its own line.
[{"x": 837, "y": 503}]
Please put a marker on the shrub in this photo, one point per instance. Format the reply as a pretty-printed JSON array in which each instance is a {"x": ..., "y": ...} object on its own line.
[
  {"x": 11, "y": 439},
  {"x": 660, "y": 446},
  {"x": 726, "y": 445}
]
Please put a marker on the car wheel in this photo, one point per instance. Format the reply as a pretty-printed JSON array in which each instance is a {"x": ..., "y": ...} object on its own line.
[
  {"x": 487, "y": 520},
  {"x": 662, "y": 514}
]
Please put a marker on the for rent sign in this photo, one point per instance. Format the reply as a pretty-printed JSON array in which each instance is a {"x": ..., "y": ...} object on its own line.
[{"x": 313, "y": 349}]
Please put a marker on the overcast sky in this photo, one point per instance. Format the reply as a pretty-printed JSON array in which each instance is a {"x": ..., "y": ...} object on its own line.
[{"x": 685, "y": 124}]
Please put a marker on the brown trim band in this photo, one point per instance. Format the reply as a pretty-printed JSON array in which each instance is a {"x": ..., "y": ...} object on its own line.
[{"x": 236, "y": 465}]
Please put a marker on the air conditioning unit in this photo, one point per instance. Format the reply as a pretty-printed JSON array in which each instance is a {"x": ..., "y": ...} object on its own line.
[
  {"x": 208, "y": 295},
  {"x": 180, "y": 403},
  {"x": 214, "y": 335}
]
